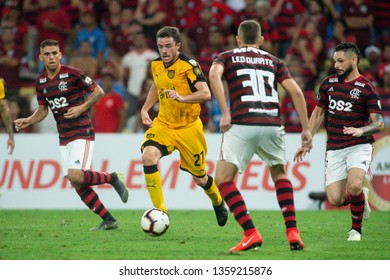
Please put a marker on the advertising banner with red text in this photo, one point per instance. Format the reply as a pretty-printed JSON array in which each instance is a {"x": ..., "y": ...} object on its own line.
[{"x": 31, "y": 178}]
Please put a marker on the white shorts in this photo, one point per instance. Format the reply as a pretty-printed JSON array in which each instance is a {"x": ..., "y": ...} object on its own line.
[
  {"x": 76, "y": 155},
  {"x": 338, "y": 162},
  {"x": 241, "y": 142}
]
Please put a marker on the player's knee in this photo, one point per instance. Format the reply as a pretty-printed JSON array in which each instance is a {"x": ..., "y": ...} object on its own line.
[
  {"x": 335, "y": 200},
  {"x": 354, "y": 187},
  {"x": 77, "y": 187},
  {"x": 149, "y": 158},
  {"x": 278, "y": 172},
  {"x": 76, "y": 177},
  {"x": 201, "y": 181}
]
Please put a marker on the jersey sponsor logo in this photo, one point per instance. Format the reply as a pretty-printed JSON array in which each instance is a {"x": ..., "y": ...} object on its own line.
[
  {"x": 359, "y": 84},
  {"x": 150, "y": 135},
  {"x": 57, "y": 103},
  {"x": 44, "y": 91},
  {"x": 331, "y": 89},
  {"x": 63, "y": 76},
  {"x": 355, "y": 93},
  {"x": 272, "y": 112},
  {"x": 339, "y": 105},
  {"x": 43, "y": 80},
  {"x": 171, "y": 74},
  {"x": 193, "y": 62},
  {"x": 63, "y": 86},
  {"x": 163, "y": 94},
  {"x": 333, "y": 80}
]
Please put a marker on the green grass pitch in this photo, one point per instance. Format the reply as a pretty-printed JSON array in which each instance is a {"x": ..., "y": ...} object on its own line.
[{"x": 193, "y": 235}]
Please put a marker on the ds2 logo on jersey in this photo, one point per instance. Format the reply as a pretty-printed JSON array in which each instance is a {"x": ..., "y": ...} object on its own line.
[
  {"x": 57, "y": 103},
  {"x": 340, "y": 105}
]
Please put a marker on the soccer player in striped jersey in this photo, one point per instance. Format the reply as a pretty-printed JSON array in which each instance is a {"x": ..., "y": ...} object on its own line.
[
  {"x": 252, "y": 125},
  {"x": 70, "y": 93},
  {"x": 349, "y": 106}
]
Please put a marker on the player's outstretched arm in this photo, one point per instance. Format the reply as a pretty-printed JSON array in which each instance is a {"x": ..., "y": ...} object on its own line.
[
  {"x": 7, "y": 121},
  {"x": 36, "y": 117},
  {"x": 316, "y": 119},
  {"x": 300, "y": 105}
]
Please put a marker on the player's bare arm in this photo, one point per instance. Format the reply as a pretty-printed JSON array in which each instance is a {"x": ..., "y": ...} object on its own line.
[
  {"x": 7, "y": 121},
  {"x": 151, "y": 99},
  {"x": 215, "y": 77},
  {"x": 299, "y": 101},
  {"x": 300, "y": 105},
  {"x": 92, "y": 99},
  {"x": 201, "y": 95},
  {"x": 316, "y": 119},
  {"x": 6, "y": 117},
  {"x": 36, "y": 117},
  {"x": 376, "y": 125}
]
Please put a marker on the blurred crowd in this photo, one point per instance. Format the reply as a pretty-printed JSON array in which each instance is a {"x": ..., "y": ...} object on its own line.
[{"x": 113, "y": 41}]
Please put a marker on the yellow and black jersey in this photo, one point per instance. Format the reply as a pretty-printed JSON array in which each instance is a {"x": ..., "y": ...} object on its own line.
[
  {"x": 2, "y": 89},
  {"x": 181, "y": 76}
]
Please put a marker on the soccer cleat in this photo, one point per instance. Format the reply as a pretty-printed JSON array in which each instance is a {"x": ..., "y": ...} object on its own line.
[
  {"x": 221, "y": 213},
  {"x": 107, "y": 225},
  {"x": 120, "y": 187},
  {"x": 294, "y": 239},
  {"x": 354, "y": 235},
  {"x": 367, "y": 208},
  {"x": 249, "y": 242}
]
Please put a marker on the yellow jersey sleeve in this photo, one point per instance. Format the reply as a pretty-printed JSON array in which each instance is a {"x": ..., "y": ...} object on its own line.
[
  {"x": 181, "y": 76},
  {"x": 2, "y": 89}
]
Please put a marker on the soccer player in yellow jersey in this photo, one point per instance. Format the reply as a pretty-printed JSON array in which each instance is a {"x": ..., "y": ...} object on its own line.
[
  {"x": 179, "y": 86},
  {"x": 6, "y": 118}
]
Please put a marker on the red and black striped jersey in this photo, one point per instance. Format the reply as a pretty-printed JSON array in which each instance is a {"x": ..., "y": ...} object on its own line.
[
  {"x": 69, "y": 88},
  {"x": 252, "y": 76},
  {"x": 347, "y": 104}
]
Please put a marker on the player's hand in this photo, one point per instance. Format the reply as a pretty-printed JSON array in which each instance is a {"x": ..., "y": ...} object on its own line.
[
  {"x": 300, "y": 154},
  {"x": 74, "y": 112},
  {"x": 21, "y": 123},
  {"x": 225, "y": 123},
  {"x": 356, "y": 132},
  {"x": 173, "y": 95},
  {"x": 146, "y": 119},
  {"x": 307, "y": 140},
  {"x": 10, "y": 145}
]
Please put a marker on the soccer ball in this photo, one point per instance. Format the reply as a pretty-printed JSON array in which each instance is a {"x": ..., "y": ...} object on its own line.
[{"x": 155, "y": 222}]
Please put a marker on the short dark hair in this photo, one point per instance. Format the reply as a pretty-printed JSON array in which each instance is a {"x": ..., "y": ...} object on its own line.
[
  {"x": 48, "y": 42},
  {"x": 169, "y": 31},
  {"x": 350, "y": 48},
  {"x": 249, "y": 31}
]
